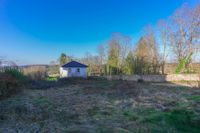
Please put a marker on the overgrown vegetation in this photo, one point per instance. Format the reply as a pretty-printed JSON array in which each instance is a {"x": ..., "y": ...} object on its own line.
[
  {"x": 101, "y": 106},
  {"x": 11, "y": 82},
  {"x": 182, "y": 64},
  {"x": 17, "y": 74}
]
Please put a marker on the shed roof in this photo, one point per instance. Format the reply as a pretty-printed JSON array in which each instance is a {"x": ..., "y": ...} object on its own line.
[{"x": 74, "y": 64}]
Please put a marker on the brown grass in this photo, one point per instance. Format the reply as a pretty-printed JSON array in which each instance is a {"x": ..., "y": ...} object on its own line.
[{"x": 35, "y": 72}]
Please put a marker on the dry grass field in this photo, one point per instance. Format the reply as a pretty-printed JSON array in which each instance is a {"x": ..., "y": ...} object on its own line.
[{"x": 101, "y": 106}]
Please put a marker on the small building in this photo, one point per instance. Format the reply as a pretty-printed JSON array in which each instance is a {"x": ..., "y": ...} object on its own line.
[{"x": 73, "y": 69}]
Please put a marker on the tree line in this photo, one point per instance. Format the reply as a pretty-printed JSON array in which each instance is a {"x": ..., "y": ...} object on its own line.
[{"x": 175, "y": 39}]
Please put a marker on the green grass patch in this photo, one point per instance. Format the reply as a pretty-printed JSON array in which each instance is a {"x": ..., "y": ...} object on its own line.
[
  {"x": 182, "y": 88},
  {"x": 51, "y": 79},
  {"x": 130, "y": 116},
  {"x": 181, "y": 119},
  {"x": 195, "y": 98}
]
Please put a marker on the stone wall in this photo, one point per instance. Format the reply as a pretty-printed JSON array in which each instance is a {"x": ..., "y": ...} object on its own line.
[{"x": 158, "y": 78}]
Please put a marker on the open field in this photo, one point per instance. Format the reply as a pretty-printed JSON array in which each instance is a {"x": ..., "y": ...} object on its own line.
[{"x": 101, "y": 106}]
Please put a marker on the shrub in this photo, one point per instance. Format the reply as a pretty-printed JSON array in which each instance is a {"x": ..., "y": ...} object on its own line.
[
  {"x": 10, "y": 82},
  {"x": 16, "y": 74},
  {"x": 8, "y": 85}
]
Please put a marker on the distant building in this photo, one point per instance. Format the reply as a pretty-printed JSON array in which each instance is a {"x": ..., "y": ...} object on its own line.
[{"x": 73, "y": 69}]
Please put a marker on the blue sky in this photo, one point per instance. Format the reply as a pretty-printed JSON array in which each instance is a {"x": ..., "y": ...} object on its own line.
[{"x": 37, "y": 31}]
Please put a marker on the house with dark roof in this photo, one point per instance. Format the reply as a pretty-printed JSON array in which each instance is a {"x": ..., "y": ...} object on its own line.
[{"x": 73, "y": 69}]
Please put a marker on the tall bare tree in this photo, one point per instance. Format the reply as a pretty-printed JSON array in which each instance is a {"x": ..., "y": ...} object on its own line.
[
  {"x": 92, "y": 62},
  {"x": 125, "y": 46},
  {"x": 164, "y": 37},
  {"x": 184, "y": 33},
  {"x": 101, "y": 55}
]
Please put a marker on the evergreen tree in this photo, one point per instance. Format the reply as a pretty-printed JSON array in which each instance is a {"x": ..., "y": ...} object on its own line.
[{"x": 63, "y": 59}]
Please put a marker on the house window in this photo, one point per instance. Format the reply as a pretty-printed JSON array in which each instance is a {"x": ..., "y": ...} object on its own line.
[
  {"x": 69, "y": 70},
  {"x": 78, "y": 70}
]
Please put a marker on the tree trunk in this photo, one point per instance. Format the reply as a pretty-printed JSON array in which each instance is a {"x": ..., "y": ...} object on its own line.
[{"x": 163, "y": 68}]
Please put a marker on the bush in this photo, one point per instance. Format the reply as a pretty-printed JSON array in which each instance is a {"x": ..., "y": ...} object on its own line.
[
  {"x": 10, "y": 82},
  {"x": 7, "y": 85},
  {"x": 16, "y": 74}
]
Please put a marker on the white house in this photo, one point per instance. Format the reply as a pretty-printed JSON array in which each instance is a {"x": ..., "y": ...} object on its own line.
[{"x": 73, "y": 69}]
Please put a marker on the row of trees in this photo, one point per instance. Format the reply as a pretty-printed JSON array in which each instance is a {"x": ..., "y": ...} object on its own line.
[
  {"x": 175, "y": 39},
  {"x": 121, "y": 59}
]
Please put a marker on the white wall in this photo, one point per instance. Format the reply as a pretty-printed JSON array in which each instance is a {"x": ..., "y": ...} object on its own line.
[{"x": 72, "y": 72}]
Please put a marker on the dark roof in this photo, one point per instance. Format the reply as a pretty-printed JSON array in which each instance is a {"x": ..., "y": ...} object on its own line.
[{"x": 74, "y": 64}]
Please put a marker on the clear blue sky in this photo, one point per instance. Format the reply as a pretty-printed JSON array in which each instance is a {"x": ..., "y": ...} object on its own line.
[{"x": 37, "y": 31}]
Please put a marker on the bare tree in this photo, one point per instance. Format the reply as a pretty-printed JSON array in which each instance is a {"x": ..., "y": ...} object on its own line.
[
  {"x": 101, "y": 55},
  {"x": 93, "y": 64},
  {"x": 150, "y": 39},
  {"x": 125, "y": 46},
  {"x": 194, "y": 30},
  {"x": 164, "y": 36},
  {"x": 184, "y": 33}
]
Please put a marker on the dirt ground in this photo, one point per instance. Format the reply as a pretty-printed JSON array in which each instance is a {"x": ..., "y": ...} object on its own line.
[{"x": 101, "y": 106}]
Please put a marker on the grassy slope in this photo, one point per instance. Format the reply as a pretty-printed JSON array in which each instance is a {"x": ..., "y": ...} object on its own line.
[{"x": 103, "y": 107}]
